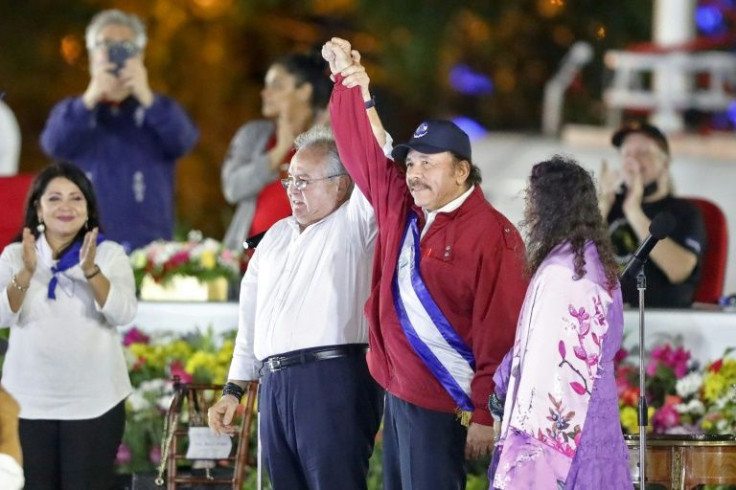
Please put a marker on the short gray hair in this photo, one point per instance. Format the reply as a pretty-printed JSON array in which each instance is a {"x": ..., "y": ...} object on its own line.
[
  {"x": 118, "y": 18},
  {"x": 321, "y": 137}
]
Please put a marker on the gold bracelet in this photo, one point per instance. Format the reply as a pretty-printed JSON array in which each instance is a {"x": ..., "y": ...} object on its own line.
[
  {"x": 97, "y": 271},
  {"x": 20, "y": 288}
]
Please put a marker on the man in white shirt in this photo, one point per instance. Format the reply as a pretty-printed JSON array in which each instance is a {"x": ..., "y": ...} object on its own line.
[{"x": 303, "y": 332}]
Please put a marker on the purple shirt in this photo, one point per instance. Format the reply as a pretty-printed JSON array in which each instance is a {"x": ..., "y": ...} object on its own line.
[
  {"x": 561, "y": 424},
  {"x": 129, "y": 153}
]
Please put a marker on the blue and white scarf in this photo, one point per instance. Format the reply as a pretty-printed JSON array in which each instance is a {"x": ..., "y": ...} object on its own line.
[
  {"x": 68, "y": 259},
  {"x": 430, "y": 334}
]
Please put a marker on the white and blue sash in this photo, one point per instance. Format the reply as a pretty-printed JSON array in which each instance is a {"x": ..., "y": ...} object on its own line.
[{"x": 430, "y": 334}]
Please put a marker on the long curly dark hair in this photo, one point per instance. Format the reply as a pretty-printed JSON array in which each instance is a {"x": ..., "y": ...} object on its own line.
[{"x": 562, "y": 206}]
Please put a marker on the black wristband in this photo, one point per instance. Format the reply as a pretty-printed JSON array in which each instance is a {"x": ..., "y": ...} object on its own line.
[
  {"x": 370, "y": 103},
  {"x": 233, "y": 390},
  {"x": 97, "y": 271}
]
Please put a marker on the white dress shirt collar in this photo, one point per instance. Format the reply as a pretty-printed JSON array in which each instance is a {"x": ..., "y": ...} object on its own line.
[{"x": 429, "y": 216}]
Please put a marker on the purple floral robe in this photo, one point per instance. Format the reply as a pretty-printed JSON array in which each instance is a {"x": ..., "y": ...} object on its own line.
[{"x": 561, "y": 425}]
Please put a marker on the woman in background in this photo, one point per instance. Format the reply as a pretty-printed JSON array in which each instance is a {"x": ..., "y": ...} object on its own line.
[
  {"x": 295, "y": 95},
  {"x": 560, "y": 426},
  {"x": 64, "y": 291}
]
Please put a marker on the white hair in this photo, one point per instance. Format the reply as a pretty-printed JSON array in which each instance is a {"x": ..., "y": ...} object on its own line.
[
  {"x": 321, "y": 137},
  {"x": 118, "y": 18}
]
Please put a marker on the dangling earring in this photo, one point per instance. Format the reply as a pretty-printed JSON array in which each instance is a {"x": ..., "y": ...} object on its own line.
[
  {"x": 41, "y": 227},
  {"x": 86, "y": 224}
]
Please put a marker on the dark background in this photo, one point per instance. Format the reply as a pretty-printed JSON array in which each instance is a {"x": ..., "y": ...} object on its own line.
[{"x": 211, "y": 56}]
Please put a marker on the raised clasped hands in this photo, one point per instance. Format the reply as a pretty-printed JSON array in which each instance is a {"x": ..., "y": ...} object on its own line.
[
  {"x": 346, "y": 61},
  {"x": 336, "y": 52}
]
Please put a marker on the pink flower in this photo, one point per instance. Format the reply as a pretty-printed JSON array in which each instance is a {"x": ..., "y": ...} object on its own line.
[
  {"x": 179, "y": 258},
  {"x": 661, "y": 352},
  {"x": 652, "y": 367},
  {"x": 135, "y": 336},
  {"x": 621, "y": 354},
  {"x": 665, "y": 418},
  {"x": 176, "y": 368},
  {"x": 123, "y": 455},
  {"x": 154, "y": 455}
]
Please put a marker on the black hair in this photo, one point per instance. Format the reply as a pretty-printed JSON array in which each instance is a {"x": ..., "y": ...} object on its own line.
[
  {"x": 309, "y": 68},
  {"x": 38, "y": 187},
  {"x": 562, "y": 206},
  {"x": 474, "y": 177}
]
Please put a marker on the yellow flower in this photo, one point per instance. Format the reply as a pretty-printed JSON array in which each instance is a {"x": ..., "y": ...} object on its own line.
[
  {"x": 713, "y": 386},
  {"x": 208, "y": 259},
  {"x": 138, "y": 259},
  {"x": 629, "y": 419}
]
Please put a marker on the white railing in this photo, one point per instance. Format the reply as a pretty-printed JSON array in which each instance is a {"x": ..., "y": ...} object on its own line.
[
  {"x": 554, "y": 90},
  {"x": 632, "y": 86}
]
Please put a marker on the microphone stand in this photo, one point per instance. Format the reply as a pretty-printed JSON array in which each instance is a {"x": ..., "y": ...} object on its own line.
[{"x": 641, "y": 285}]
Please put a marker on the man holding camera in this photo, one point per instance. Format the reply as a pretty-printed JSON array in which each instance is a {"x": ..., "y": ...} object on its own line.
[{"x": 123, "y": 135}]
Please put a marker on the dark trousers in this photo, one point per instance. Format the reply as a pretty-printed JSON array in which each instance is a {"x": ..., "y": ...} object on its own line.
[
  {"x": 318, "y": 424},
  {"x": 71, "y": 454},
  {"x": 422, "y": 449}
]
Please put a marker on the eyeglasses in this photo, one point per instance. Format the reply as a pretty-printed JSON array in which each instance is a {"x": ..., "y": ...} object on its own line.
[{"x": 301, "y": 183}]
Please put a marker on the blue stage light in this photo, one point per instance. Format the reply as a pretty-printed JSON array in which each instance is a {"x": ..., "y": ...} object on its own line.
[
  {"x": 709, "y": 19},
  {"x": 731, "y": 113},
  {"x": 469, "y": 82},
  {"x": 473, "y": 128}
]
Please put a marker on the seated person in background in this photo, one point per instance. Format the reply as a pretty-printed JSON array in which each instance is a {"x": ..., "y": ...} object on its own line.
[
  {"x": 64, "y": 290},
  {"x": 630, "y": 199},
  {"x": 295, "y": 96},
  {"x": 125, "y": 137}
]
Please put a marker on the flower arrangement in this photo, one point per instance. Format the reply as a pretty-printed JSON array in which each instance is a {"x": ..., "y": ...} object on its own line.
[
  {"x": 203, "y": 258},
  {"x": 682, "y": 398},
  {"x": 152, "y": 362}
]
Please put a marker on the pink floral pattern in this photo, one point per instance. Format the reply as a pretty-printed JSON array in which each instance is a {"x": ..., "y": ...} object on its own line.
[{"x": 559, "y": 342}]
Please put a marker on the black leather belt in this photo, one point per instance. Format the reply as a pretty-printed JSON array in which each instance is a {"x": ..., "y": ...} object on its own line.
[{"x": 283, "y": 361}]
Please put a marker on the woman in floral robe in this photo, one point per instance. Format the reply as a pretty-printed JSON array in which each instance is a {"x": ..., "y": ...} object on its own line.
[{"x": 560, "y": 425}]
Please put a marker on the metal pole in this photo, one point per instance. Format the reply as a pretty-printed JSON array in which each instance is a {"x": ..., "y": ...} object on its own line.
[{"x": 641, "y": 285}]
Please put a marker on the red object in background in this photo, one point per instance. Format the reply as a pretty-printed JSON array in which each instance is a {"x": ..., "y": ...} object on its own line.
[
  {"x": 272, "y": 203},
  {"x": 713, "y": 275},
  {"x": 13, "y": 190}
]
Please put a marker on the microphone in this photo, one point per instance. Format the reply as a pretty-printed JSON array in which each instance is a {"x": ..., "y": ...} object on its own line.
[
  {"x": 253, "y": 241},
  {"x": 660, "y": 227}
]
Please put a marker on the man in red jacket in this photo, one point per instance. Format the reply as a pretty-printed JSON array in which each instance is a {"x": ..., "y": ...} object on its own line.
[{"x": 448, "y": 285}]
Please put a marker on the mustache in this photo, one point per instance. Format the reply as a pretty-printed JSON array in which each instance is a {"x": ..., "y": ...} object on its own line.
[{"x": 416, "y": 182}]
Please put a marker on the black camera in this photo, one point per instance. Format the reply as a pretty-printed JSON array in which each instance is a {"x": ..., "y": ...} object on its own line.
[{"x": 118, "y": 52}]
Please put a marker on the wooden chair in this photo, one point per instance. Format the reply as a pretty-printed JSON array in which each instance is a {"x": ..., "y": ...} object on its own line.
[{"x": 194, "y": 400}]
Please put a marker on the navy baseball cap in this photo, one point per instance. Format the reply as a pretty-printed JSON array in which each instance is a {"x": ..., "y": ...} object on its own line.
[
  {"x": 644, "y": 128},
  {"x": 436, "y": 136}
]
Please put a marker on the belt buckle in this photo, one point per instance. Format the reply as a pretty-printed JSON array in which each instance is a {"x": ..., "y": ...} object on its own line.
[{"x": 274, "y": 364}]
